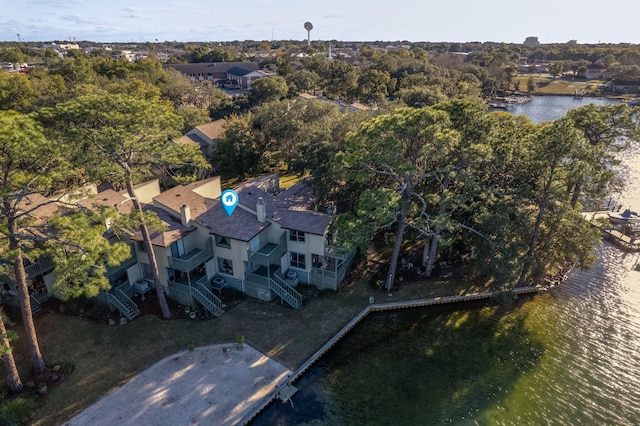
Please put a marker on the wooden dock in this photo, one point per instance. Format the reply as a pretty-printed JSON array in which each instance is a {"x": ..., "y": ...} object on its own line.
[
  {"x": 504, "y": 102},
  {"x": 285, "y": 391},
  {"x": 623, "y": 241}
]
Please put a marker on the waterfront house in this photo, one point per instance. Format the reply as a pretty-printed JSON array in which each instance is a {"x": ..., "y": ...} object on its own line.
[
  {"x": 595, "y": 72},
  {"x": 264, "y": 249},
  {"x": 273, "y": 241},
  {"x": 624, "y": 86}
]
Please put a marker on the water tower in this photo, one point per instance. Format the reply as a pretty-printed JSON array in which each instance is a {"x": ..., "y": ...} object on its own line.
[{"x": 308, "y": 26}]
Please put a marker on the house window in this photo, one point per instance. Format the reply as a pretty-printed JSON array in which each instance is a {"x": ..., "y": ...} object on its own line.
[
  {"x": 140, "y": 246},
  {"x": 297, "y": 260},
  {"x": 177, "y": 248},
  {"x": 296, "y": 236},
  {"x": 223, "y": 241},
  {"x": 225, "y": 266}
]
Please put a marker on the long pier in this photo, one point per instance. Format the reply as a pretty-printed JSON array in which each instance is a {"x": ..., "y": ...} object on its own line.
[{"x": 373, "y": 307}]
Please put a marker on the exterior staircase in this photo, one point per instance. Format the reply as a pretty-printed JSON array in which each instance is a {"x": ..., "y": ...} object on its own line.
[
  {"x": 285, "y": 291},
  {"x": 118, "y": 299},
  {"x": 126, "y": 306},
  {"x": 37, "y": 298},
  {"x": 36, "y": 306},
  {"x": 207, "y": 299}
]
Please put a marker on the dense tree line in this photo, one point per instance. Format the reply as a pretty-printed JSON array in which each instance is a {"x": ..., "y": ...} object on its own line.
[
  {"x": 424, "y": 163},
  {"x": 95, "y": 120},
  {"x": 495, "y": 185}
]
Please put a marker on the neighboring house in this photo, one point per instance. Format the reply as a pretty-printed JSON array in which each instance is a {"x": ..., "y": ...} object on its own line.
[
  {"x": 39, "y": 271},
  {"x": 595, "y": 72},
  {"x": 541, "y": 67},
  {"x": 210, "y": 71},
  {"x": 239, "y": 77},
  {"x": 15, "y": 67},
  {"x": 525, "y": 68},
  {"x": 129, "y": 55},
  {"x": 62, "y": 48},
  {"x": 624, "y": 86},
  {"x": 537, "y": 67},
  {"x": 205, "y": 135},
  {"x": 126, "y": 278}
]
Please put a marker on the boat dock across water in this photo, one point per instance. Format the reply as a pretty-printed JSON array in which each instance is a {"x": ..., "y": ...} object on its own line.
[
  {"x": 619, "y": 234},
  {"x": 504, "y": 102}
]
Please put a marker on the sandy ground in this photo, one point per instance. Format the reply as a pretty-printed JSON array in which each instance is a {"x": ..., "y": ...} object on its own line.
[{"x": 213, "y": 385}]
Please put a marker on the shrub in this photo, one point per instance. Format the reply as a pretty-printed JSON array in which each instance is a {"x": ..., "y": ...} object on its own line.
[{"x": 18, "y": 410}]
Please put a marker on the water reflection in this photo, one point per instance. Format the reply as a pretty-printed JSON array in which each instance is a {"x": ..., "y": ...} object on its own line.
[
  {"x": 547, "y": 108},
  {"x": 568, "y": 357}
]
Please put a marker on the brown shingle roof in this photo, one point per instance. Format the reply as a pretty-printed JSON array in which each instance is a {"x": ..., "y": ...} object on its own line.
[
  {"x": 306, "y": 221},
  {"x": 299, "y": 196},
  {"x": 37, "y": 206},
  {"x": 192, "y": 138},
  {"x": 288, "y": 211},
  {"x": 285, "y": 211},
  {"x": 241, "y": 225},
  {"x": 175, "y": 229},
  {"x": 108, "y": 198},
  {"x": 180, "y": 195},
  {"x": 213, "y": 130}
]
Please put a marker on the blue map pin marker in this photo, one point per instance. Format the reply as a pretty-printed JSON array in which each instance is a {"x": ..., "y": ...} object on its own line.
[{"x": 229, "y": 200}]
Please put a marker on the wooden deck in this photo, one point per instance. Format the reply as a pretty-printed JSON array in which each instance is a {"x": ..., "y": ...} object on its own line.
[{"x": 621, "y": 240}]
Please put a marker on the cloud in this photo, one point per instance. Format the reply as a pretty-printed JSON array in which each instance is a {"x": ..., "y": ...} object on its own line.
[
  {"x": 58, "y": 4},
  {"x": 132, "y": 16},
  {"x": 81, "y": 20},
  {"x": 331, "y": 16}
]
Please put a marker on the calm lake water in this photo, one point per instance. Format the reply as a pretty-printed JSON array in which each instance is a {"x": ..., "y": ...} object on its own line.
[
  {"x": 546, "y": 108},
  {"x": 567, "y": 357}
]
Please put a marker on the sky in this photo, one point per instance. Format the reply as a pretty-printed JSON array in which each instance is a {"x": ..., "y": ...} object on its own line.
[{"x": 552, "y": 21}]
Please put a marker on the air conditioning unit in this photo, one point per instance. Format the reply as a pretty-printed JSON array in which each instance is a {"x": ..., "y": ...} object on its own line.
[
  {"x": 141, "y": 286},
  {"x": 291, "y": 275}
]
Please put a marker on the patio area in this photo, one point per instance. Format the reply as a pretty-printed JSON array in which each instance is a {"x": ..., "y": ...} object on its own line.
[{"x": 217, "y": 384}]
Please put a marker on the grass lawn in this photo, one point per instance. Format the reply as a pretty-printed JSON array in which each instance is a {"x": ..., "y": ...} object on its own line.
[
  {"x": 557, "y": 86},
  {"x": 286, "y": 180},
  {"x": 103, "y": 357}
]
